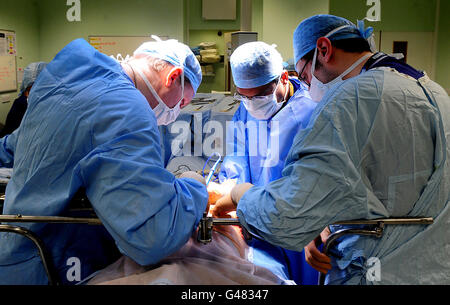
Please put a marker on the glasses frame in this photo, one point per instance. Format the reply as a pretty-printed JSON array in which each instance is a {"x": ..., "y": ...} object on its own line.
[{"x": 301, "y": 73}]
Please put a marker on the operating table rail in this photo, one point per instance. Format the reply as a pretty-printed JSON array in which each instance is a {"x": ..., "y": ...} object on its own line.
[
  {"x": 204, "y": 236},
  {"x": 376, "y": 231},
  {"x": 48, "y": 219},
  {"x": 207, "y": 223},
  {"x": 43, "y": 253},
  {"x": 204, "y": 233},
  {"x": 48, "y": 266}
]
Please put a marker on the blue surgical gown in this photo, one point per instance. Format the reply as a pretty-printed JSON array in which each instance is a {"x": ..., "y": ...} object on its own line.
[
  {"x": 377, "y": 146},
  {"x": 87, "y": 127},
  {"x": 274, "y": 140}
]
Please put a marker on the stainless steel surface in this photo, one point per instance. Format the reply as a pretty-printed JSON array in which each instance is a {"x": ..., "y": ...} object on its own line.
[
  {"x": 207, "y": 224},
  {"x": 390, "y": 221},
  {"x": 226, "y": 221},
  {"x": 48, "y": 219}
]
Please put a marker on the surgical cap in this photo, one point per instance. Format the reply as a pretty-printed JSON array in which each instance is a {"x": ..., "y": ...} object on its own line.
[
  {"x": 255, "y": 64},
  {"x": 176, "y": 53},
  {"x": 30, "y": 74},
  {"x": 311, "y": 29}
]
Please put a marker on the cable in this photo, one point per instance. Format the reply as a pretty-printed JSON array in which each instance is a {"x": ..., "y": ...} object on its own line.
[{"x": 213, "y": 169}]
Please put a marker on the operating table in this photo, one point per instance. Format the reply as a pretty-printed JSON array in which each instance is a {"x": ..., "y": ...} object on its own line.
[{"x": 204, "y": 236}]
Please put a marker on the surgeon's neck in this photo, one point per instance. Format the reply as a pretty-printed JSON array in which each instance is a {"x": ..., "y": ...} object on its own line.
[
  {"x": 343, "y": 60},
  {"x": 131, "y": 74},
  {"x": 139, "y": 83}
]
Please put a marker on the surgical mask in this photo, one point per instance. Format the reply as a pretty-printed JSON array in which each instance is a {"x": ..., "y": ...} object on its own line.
[
  {"x": 317, "y": 89},
  {"x": 262, "y": 107},
  {"x": 164, "y": 114}
]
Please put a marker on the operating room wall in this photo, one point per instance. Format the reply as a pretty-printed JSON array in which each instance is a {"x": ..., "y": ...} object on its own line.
[
  {"x": 396, "y": 15},
  {"x": 197, "y": 22},
  {"x": 107, "y": 17},
  {"x": 275, "y": 22},
  {"x": 280, "y": 19},
  {"x": 443, "y": 45},
  {"x": 216, "y": 82},
  {"x": 257, "y": 17},
  {"x": 414, "y": 21},
  {"x": 20, "y": 16},
  {"x": 201, "y": 30}
]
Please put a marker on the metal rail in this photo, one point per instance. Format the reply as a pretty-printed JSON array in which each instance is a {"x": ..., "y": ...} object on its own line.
[
  {"x": 48, "y": 219},
  {"x": 390, "y": 221},
  {"x": 43, "y": 253},
  {"x": 375, "y": 232},
  {"x": 206, "y": 225},
  {"x": 46, "y": 261},
  {"x": 204, "y": 234}
]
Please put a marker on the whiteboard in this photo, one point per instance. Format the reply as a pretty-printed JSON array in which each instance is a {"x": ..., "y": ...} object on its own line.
[
  {"x": 8, "y": 67},
  {"x": 124, "y": 45}
]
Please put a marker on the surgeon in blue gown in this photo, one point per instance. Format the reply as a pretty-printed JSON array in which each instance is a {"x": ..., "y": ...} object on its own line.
[
  {"x": 273, "y": 109},
  {"x": 92, "y": 126},
  {"x": 377, "y": 146}
]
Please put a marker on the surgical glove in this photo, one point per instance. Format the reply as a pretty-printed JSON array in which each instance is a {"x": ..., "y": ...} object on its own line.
[
  {"x": 217, "y": 191},
  {"x": 228, "y": 203},
  {"x": 195, "y": 176},
  {"x": 214, "y": 192},
  {"x": 222, "y": 207},
  {"x": 314, "y": 257}
]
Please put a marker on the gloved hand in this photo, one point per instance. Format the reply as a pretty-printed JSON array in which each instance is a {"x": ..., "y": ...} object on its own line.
[
  {"x": 214, "y": 194},
  {"x": 314, "y": 257},
  {"x": 195, "y": 176},
  {"x": 222, "y": 207},
  {"x": 217, "y": 191},
  {"x": 228, "y": 203}
]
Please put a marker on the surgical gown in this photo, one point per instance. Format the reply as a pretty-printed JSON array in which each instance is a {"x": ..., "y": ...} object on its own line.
[
  {"x": 87, "y": 127},
  {"x": 377, "y": 146},
  {"x": 273, "y": 141}
]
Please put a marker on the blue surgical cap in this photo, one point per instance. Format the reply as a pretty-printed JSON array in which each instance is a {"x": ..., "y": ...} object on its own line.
[
  {"x": 30, "y": 74},
  {"x": 255, "y": 64},
  {"x": 311, "y": 29},
  {"x": 176, "y": 53}
]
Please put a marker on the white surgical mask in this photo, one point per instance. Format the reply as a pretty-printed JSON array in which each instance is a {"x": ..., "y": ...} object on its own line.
[
  {"x": 262, "y": 107},
  {"x": 317, "y": 89},
  {"x": 164, "y": 114}
]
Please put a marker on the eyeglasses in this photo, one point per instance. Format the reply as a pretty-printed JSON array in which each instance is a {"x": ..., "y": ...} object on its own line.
[
  {"x": 300, "y": 77},
  {"x": 269, "y": 91},
  {"x": 239, "y": 97}
]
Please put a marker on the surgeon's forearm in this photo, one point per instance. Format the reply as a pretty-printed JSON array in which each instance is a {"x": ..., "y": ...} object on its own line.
[
  {"x": 170, "y": 228},
  {"x": 274, "y": 220},
  {"x": 150, "y": 215}
]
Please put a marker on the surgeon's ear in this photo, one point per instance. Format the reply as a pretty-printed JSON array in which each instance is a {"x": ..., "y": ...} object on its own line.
[
  {"x": 284, "y": 77},
  {"x": 325, "y": 49},
  {"x": 173, "y": 75}
]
